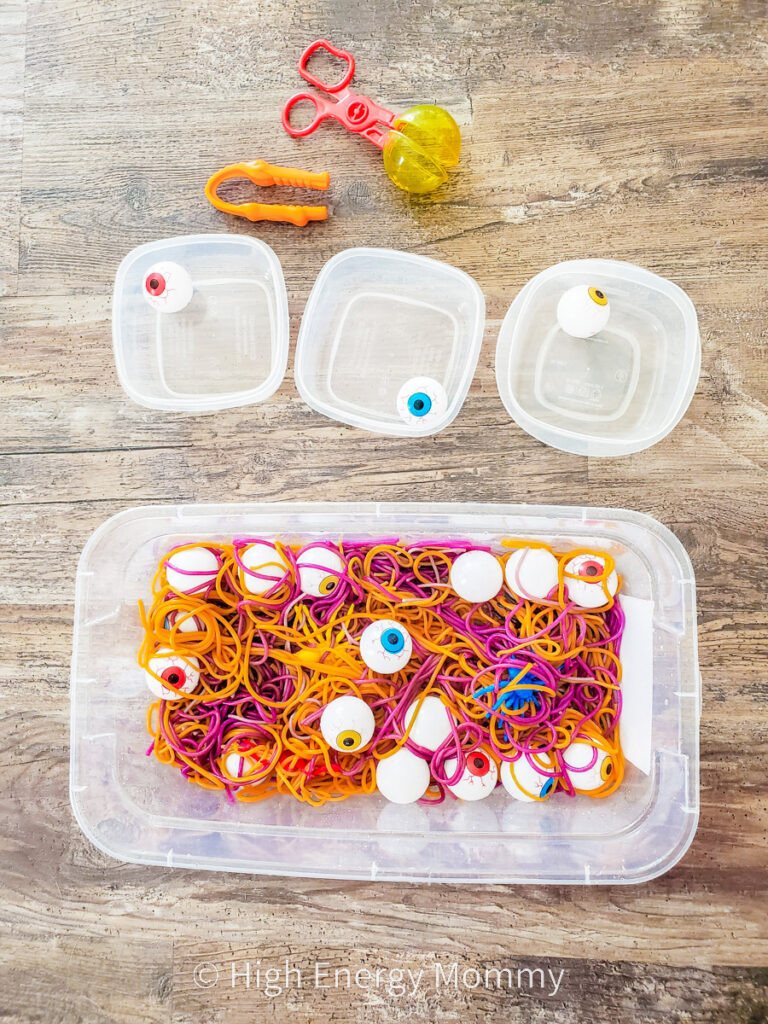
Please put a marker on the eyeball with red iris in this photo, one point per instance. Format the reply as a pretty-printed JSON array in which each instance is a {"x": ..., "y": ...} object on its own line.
[
  {"x": 531, "y": 573},
  {"x": 422, "y": 402},
  {"x": 477, "y": 576},
  {"x": 320, "y": 570},
  {"x": 264, "y": 568},
  {"x": 479, "y": 778},
  {"x": 191, "y": 570},
  {"x": 431, "y": 723},
  {"x": 403, "y": 778},
  {"x": 179, "y": 674},
  {"x": 526, "y": 779},
  {"x": 585, "y": 583},
  {"x": 347, "y": 724},
  {"x": 167, "y": 287},
  {"x": 583, "y": 311},
  {"x": 588, "y": 767},
  {"x": 385, "y": 646}
]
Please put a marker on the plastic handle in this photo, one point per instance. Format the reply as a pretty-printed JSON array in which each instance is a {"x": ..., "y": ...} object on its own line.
[
  {"x": 323, "y": 110},
  {"x": 306, "y": 74}
]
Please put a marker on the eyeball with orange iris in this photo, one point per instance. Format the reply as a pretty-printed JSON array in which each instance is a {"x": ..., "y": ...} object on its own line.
[
  {"x": 264, "y": 568},
  {"x": 585, "y": 582},
  {"x": 320, "y": 570},
  {"x": 385, "y": 646},
  {"x": 422, "y": 402},
  {"x": 583, "y": 311},
  {"x": 526, "y": 779},
  {"x": 347, "y": 724},
  {"x": 588, "y": 767},
  {"x": 179, "y": 674},
  {"x": 167, "y": 287},
  {"x": 479, "y": 778}
]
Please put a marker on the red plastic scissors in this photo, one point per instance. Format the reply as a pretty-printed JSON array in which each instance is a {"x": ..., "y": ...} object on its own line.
[{"x": 357, "y": 113}]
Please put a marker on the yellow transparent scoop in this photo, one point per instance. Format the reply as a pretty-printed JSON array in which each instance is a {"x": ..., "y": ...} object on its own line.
[{"x": 421, "y": 144}]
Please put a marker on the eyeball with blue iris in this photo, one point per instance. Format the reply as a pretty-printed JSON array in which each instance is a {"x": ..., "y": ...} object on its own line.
[
  {"x": 429, "y": 723},
  {"x": 191, "y": 570},
  {"x": 477, "y": 576},
  {"x": 178, "y": 674},
  {"x": 403, "y": 778},
  {"x": 422, "y": 402},
  {"x": 479, "y": 778},
  {"x": 531, "y": 573},
  {"x": 588, "y": 767},
  {"x": 264, "y": 567},
  {"x": 586, "y": 584},
  {"x": 526, "y": 779},
  {"x": 347, "y": 724},
  {"x": 385, "y": 646},
  {"x": 320, "y": 570},
  {"x": 583, "y": 311},
  {"x": 183, "y": 622},
  {"x": 167, "y": 287}
]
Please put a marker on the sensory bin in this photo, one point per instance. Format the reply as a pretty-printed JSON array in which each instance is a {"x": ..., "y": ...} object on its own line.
[{"x": 432, "y": 671}]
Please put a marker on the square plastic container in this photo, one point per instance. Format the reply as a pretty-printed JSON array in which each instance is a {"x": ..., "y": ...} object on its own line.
[
  {"x": 377, "y": 319},
  {"x": 136, "y": 809},
  {"x": 613, "y": 394},
  {"x": 227, "y": 346}
]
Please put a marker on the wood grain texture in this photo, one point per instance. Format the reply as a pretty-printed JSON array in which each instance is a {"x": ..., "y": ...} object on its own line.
[{"x": 635, "y": 130}]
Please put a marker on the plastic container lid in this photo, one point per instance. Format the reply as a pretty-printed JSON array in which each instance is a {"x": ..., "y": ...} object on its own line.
[
  {"x": 227, "y": 346},
  {"x": 612, "y": 394},
  {"x": 378, "y": 320},
  {"x": 137, "y": 809}
]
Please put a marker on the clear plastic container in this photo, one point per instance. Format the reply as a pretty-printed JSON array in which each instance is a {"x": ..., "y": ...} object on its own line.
[
  {"x": 613, "y": 394},
  {"x": 136, "y": 809},
  {"x": 227, "y": 346},
  {"x": 377, "y": 319}
]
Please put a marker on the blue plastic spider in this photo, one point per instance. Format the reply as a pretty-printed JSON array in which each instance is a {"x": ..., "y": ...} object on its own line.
[{"x": 513, "y": 700}]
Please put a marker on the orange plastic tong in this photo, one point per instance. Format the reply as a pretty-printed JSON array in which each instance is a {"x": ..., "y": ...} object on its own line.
[{"x": 263, "y": 174}]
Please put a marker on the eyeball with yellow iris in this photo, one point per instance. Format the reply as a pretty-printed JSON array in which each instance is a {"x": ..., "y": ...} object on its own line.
[
  {"x": 531, "y": 573},
  {"x": 167, "y": 287},
  {"x": 178, "y": 675},
  {"x": 403, "y": 778},
  {"x": 526, "y": 779},
  {"x": 191, "y": 570},
  {"x": 585, "y": 583},
  {"x": 588, "y": 767},
  {"x": 385, "y": 646},
  {"x": 347, "y": 724},
  {"x": 320, "y": 570},
  {"x": 422, "y": 402},
  {"x": 479, "y": 778},
  {"x": 583, "y": 311},
  {"x": 264, "y": 568}
]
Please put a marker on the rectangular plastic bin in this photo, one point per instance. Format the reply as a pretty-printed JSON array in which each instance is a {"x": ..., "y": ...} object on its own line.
[{"x": 136, "y": 809}]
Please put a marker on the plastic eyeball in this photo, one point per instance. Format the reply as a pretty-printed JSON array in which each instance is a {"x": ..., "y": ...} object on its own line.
[
  {"x": 265, "y": 567},
  {"x": 180, "y": 675},
  {"x": 314, "y": 564},
  {"x": 479, "y": 778},
  {"x": 402, "y": 778},
  {"x": 531, "y": 573},
  {"x": 191, "y": 570},
  {"x": 583, "y": 311},
  {"x": 167, "y": 287},
  {"x": 586, "y": 588},
  {"x": 580, "y": 753},
  {"x": 477, "y": 576},
  {"x": 347, "y": 724},
  {"x": 183, "y": 622},
  {"x": 239, "y": 764},
  {"x": 432, "y": 724},
  {"x": 524, "y": 781},
  {"x": 422, "y": 402},
  {"x": 385, "y": 646}
]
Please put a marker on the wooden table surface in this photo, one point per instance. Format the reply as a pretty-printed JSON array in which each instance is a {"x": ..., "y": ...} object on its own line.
[{"x": 634, "y": 130}]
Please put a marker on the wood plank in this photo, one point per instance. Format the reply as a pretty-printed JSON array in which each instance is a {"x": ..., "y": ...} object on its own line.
[{"x": 13, "y": 19}]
